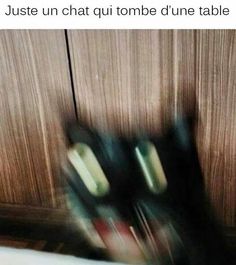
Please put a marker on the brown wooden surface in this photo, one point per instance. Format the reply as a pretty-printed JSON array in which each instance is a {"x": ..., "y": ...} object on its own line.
[
  {"x": 35, "y": 91},
  {"x": 129, "y": 79},
  {"x": 216, "y": 107},
  {"x": 33, "y": 214}
]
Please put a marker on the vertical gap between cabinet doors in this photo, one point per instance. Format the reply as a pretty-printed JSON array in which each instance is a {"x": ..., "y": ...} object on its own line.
[{"x": 71, "y": 72}]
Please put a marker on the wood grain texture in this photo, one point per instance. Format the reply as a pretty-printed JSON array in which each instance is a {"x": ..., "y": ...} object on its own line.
[
  {"x": 216, "y": 107},
  {"x": 126, "y": 80},
  {"x": 35, "y": 91},
  {"x": 129, "y": 79}
]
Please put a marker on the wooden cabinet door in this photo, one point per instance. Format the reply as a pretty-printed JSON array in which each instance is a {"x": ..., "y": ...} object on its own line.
[
  {"x": 216, "y": 109},
  {"x": 36, "y": 97}
]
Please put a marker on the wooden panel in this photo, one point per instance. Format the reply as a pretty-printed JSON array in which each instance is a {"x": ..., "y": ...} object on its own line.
[
  {"x": 216, "y": 105},
  {"x": 35, "y": 90},
  {"x": 128, "y": 79}
]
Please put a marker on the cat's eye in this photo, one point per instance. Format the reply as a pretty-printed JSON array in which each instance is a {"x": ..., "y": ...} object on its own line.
[
  {"x": 151, "y": 166},
  {"x": 87, "y": 166}
]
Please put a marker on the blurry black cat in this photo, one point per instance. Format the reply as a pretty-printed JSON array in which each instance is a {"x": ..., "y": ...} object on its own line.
[{"x": 144, "y": 197}]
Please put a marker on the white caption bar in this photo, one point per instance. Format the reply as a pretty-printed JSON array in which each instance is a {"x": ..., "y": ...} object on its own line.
[{"x": 111, "y": 14}]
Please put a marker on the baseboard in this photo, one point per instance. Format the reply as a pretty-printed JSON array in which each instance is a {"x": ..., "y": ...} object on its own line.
[
  {"x": 33, "y": 214},
  {"x": 38, "y": 222}
]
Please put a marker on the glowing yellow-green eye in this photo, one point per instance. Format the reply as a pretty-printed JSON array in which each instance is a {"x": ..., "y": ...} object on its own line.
[
  {"x": 85, "y": 163},
  {"x": 150, "y": 164}
]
